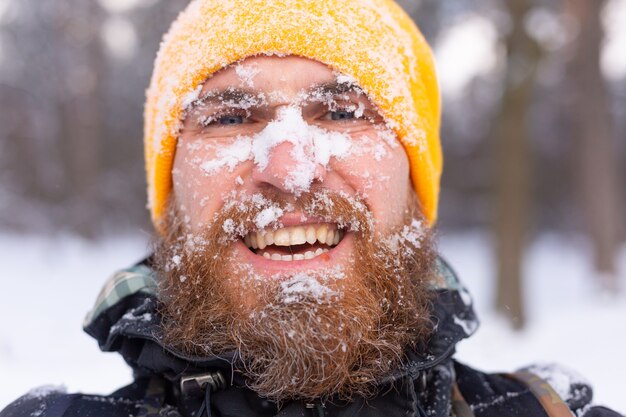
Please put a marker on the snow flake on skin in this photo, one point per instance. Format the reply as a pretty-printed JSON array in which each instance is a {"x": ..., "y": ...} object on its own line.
[
  {"x": 368, "y": 145},
  {"x": 246, "y": 74},
  {"x": 229, "y": 156}
]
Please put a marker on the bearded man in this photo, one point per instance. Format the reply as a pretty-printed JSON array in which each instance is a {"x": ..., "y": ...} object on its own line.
[{"x": 293, "y": 164}]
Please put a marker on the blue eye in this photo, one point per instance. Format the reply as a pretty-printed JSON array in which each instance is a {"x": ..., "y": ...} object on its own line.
[
  {"x": 342, "y": 115},
  {"x": 231, "y": 120}
]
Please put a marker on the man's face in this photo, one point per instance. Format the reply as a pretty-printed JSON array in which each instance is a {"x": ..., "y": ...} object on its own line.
[
  {"x": 287, "y": 126},
  {"x": 295, "y": 237}
]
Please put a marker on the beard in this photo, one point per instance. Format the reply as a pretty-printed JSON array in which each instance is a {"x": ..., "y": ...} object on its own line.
[{"x": 334, "y": 332}]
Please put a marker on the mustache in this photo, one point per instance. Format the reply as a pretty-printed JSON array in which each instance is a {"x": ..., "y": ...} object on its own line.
[{"x": 262, "y": 210}]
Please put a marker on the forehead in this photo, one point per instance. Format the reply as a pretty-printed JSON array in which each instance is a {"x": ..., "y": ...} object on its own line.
[{"x": 288, "y": 75}]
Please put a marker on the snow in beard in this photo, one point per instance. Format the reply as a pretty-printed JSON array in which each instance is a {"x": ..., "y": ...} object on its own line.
[
  {"x": 318, "y": 287},
  {"x": 323, "y": 201},
  {"x": 303, "y": 285},
  {"x": 259, "y": 213}
]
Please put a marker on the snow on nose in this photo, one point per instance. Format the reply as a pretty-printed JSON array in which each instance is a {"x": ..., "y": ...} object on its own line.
[{"x": 290, "y": 154}]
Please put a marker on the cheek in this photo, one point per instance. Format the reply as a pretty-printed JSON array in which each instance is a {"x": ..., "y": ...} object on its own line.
[
  {"x": 379, "y": 172},
  {"x": 198, "y": 192},
  {"x": 389, "y": 189}
]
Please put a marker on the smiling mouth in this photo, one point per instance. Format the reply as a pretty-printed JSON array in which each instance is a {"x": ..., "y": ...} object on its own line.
[{"x": 294, "y": 243}]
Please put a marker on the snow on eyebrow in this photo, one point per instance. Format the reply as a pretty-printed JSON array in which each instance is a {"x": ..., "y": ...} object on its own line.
[
  {"x": 231, "y": 97},
  {"x": 342, "y": 87},
  {"x": 358, "y": 113},
  {"x": 346, "y": 79}
]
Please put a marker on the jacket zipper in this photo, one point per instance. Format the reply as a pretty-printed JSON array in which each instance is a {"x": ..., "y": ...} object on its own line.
[{"x": 317, "y": 409}]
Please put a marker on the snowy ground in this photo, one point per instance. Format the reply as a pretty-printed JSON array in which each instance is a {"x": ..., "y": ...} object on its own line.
[
  {"x": 569, "y": 321},
  {"x": 48, "y": 284}
]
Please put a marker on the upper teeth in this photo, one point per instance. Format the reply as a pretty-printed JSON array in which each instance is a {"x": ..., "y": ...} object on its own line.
[{"x": 295, "y": 235}]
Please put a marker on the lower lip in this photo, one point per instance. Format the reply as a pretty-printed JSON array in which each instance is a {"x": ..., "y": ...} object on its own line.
[{"x": 325, "y": 260}]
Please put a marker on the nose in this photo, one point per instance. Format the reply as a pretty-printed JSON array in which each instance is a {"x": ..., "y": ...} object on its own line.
[{"x": 291, "y": 168}]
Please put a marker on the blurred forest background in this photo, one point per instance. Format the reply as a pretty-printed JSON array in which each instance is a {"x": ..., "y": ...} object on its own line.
[{"x": 534, "y": 129}]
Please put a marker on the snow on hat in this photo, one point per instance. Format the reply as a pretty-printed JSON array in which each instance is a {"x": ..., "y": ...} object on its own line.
[{"x": 373, "y": 41}]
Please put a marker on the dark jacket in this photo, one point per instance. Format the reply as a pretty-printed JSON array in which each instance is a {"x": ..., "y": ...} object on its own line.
[{"x": 170, "y": 383}]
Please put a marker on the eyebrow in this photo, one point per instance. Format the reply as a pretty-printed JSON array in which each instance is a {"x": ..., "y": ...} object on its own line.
[
  {"x": 238, "y": 95},
  {"x": 334, "y": 88},
  {"x": 229, "y": 95}
]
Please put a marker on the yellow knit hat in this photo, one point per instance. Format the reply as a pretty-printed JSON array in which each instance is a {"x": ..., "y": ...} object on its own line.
[{"x": 373, "y": 41}]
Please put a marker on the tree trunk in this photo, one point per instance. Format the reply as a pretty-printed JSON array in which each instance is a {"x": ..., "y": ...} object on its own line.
[
  {"x": 82, "y": 117},
  {"x": 595, "y": 171},
  {"x": 513, "y": 165}
]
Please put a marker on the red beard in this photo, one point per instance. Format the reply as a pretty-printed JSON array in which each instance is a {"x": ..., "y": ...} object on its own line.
[{"x": 337, "y": 341}]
